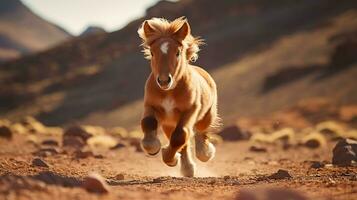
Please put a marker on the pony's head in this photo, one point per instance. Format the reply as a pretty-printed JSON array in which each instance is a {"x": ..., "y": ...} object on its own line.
[{"x": 169, "y": 46}]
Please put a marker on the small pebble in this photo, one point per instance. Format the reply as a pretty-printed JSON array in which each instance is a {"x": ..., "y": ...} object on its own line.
[
  {"x": 5, "y": 132},
  {"x": 119, "y": 177},
  {"x": 50, "y": 142},
  {"x": 37, "y": 162},
  {"x": 317, "y": 164},
  {"x": 255, "y": 148},
  {"x": 95, "y": 183},
  {"x": 280, "y": 174}
]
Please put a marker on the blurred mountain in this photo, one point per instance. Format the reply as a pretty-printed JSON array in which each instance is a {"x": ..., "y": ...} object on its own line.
[
  {"x": 23, "y": 32},
  {"x": 92, "y": 30},
  {"x": 264, "y": 55}
]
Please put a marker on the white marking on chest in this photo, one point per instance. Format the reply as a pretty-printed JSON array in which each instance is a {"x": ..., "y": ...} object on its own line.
[
  {"x": 164, "y": 47},
  {"x": 168, "y": 104}
]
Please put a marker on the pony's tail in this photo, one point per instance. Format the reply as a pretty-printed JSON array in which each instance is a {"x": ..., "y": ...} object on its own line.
[{"x": 216, "y": 125}]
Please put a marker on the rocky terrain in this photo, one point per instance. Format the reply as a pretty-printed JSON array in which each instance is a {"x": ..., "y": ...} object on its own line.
[{"x": 261, "y": 159}]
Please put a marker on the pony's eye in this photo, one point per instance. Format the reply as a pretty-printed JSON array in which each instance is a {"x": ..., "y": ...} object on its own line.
[
  {"x": 151, "y": 54},
  {"x": 178, "y": 53}
]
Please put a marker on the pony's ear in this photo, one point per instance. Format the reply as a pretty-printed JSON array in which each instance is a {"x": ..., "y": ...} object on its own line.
[
  {"x": 148, "y": 30},
  {"x": 182, "y": 32}
]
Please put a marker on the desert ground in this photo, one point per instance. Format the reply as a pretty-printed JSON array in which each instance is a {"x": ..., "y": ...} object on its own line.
[{"x": 272, "y": 160}]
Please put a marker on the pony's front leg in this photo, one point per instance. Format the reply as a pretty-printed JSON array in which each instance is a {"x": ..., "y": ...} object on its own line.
[
  {"x": 150, "y": 143},
  {"x": 179, "y": 137}
]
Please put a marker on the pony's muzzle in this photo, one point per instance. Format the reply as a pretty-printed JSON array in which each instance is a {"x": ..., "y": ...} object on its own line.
[{"x": 164, "y": 82}]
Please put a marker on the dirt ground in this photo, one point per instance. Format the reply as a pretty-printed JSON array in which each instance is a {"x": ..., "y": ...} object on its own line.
[{"x": 130, "y": 174}]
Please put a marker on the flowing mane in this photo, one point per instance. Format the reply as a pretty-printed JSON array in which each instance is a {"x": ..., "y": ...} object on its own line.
[{"x": 165, "y": 28}]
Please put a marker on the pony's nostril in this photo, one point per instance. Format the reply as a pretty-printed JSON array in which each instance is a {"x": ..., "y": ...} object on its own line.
[
  {"x": 159, "y": 81},
  {"x": 164, "y": 82}
]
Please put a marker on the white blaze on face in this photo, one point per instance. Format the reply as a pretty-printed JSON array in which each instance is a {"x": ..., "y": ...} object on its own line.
[
  {"x": 164, "y": 47},
  {"x": 168, "y": 104}
]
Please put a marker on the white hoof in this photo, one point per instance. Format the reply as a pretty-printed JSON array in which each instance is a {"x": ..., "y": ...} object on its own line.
[{"x": 188, "y": 169}]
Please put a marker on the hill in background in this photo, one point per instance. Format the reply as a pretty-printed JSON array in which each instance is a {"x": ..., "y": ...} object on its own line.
[
  {"x": 23, "y": 32},
  {"x": 92, "y": 30},
  {"x": 265, "y": 56}
]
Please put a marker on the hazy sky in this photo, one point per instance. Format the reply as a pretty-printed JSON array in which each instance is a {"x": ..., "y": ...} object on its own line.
[{"x": 76, "y": 15}]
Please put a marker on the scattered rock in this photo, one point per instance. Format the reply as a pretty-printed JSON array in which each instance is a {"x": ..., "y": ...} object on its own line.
[
  {"x": 52, "y": 178},
  {"x": 119, "y": 131},
  {"x": 345, "y": 153},
  {"x": 234, "y": 133},
  {"x": 5, "y": 132},
  {"x": 44, "y": 152},
  {"x": 33, "y": 139},
  {"x": 136, "y": 133},
  {"x": 317, "y": 164},
  {"x": 95, "y": 183},
  {"x": 102, "y": 141},
  {"x": 54, "y": 131},
  {"x": 19, "y": 128},
  {"x": 256, "y": 148},
  {"x": 94, "y": 130},
  {"x": 119, "y": 177},
  {"x": 352, "y": 134},
  {"x": 99, "y": 156},
  {"x": 32, "y": 125},
  {"x": 83, "y": 154},
  {"x": 331, "y": 129},
  {"x": 226, "y": 177},
  {"x": 314, "y": 140},
  {"x": 77, "y": 131},
  {"x": 284, "y": 135},
  {"x": 118, "y": 146},
  {"x": 50, "y": 142},
  {"x": 75, "y": 142},
  {"x": 280, "y": 174},
  {"x": 37, "y": 162}
]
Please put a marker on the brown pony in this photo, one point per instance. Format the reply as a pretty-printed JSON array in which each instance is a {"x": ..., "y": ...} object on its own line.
[{"x": 179, "y": 98}]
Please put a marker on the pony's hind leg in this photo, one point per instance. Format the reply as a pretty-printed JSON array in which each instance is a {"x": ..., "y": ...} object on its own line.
[
  {"x": 205, "y": 150},
  {"x": 187, "y": 164}
]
